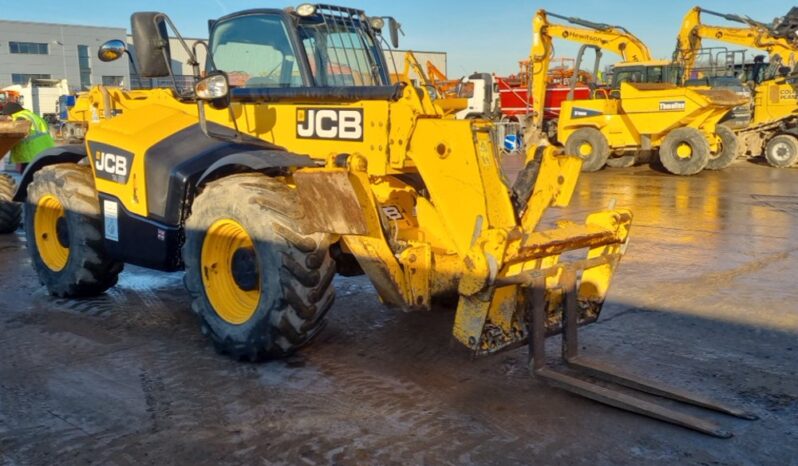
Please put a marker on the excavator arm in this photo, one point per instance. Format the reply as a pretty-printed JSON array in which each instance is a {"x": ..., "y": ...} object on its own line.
[
  {"x": 615, "y": 39},
  {"x": 755, "y": 35},
  {"x": 445, "y": 86}
]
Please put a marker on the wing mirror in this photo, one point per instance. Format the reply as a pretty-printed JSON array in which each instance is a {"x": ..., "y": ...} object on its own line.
[
  {"x": 395, "y": 28},
  {"x": 111, "y": 50}
]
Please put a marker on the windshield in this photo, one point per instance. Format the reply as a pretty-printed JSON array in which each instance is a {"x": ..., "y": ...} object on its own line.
[
  {"x": 255, "y": 51},
  {"x": 646, "y": 74},
  {"x": 341, "y": 53}
]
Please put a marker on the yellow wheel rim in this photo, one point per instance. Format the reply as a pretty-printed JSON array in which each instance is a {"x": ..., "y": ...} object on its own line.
[
  {"x": 585, "y": 149},
  {"x": 53, "y": 253},
  {"x": 684, "y": 151},
  {"x": 232, "y": 302}
]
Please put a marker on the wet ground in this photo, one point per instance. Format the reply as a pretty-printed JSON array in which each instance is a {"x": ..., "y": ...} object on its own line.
[{"x": 705, "y": 299}]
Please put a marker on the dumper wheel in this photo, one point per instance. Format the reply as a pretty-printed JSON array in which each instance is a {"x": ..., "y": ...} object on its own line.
[
  {"x": 64, "y": 232},
  {"x": 782, "y": 151},
  {"x": 589, "y": 145},
  {"x": 260, "y": 285},
  {"x": 728, "y": 149},
  {"x": 684, "y": 151},
  {"x": 10, "y": 212}
]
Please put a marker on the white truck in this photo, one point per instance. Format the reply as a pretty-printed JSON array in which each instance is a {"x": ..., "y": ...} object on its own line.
[{"x": 41, "y": 96}]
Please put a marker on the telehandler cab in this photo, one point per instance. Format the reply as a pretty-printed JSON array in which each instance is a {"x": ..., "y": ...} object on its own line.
[{"x": 296, "y": 158}]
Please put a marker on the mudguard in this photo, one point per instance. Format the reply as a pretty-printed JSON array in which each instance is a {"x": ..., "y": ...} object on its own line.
[
  {"x": 257, "y": 160},
  {"x": 73, "y": 153}
]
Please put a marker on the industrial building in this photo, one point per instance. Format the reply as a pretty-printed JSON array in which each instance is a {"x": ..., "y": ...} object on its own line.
[{"x": 30, "y": 50}]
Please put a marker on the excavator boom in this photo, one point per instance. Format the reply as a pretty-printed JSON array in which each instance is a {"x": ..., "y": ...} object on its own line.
[
  {"x": 615, "y": 39},
  {"x": 756, "y": 35}
]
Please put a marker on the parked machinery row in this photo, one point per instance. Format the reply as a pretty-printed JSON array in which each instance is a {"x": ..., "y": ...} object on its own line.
[{"x": 627, "y": 119}]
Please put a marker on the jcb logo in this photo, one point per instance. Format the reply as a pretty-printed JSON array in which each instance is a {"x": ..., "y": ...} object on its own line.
[
  {"x": 329, "y": 123},
  {"x": 111, "y": 163}
]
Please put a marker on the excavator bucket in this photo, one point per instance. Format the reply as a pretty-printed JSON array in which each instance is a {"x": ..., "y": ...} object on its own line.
[{"x": 11, "y": 132}]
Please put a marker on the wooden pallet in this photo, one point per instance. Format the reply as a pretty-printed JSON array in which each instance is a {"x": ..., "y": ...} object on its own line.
[{"x": 11, "y": 132}]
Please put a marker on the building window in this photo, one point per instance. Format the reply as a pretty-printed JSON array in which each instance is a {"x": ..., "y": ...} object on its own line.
[
  {"x": 113, "y": 81},
  {"x": 32, "y": 48},
  {"x": 84, "y": 62},
  {"x": 23, "y": 78}
]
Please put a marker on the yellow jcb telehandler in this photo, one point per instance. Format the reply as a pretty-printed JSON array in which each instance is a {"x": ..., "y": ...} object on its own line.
[{"x": 295, "y": 158}]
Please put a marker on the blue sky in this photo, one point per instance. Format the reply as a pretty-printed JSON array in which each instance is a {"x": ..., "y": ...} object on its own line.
[{"x": 478, "y": 35}]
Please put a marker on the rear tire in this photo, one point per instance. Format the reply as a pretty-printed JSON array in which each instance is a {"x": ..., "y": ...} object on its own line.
[
  {"x": 63, "y": 228},
  {"x": 275, "y": 302},
  {"x": 10, "y": 211},
  {"x": 684, "y": 151},
  {"x": 728, "y": 149},
  {"x": 624, "y": 161},
  {"x": 782, "y": 151},
  {"x": 589, "y": 145}
]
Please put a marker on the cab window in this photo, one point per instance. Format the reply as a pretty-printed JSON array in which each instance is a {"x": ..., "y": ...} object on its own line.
[
  {"x": 340, "y": 54},
  {"x": 255, "y": 51}
]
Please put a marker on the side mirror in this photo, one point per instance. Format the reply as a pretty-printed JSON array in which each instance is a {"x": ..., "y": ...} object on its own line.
[
  {"x": 111, "y": 50},
  {"x": 151, "y": 43},
  {"x": 214, "y": 89},
  {"x": 395, "y": 28}
]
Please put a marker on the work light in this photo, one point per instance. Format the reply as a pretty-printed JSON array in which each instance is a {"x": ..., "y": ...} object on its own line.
[{"x": 306, "y": 9}]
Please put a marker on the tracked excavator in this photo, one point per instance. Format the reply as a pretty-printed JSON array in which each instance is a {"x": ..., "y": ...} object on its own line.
[{"x": 773, "y": 130}]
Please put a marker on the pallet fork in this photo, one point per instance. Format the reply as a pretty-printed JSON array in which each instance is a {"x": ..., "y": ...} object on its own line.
[{"x": 573, "y": 360}]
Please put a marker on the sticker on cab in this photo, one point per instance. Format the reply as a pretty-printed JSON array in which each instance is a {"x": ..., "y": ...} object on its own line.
[{"x": 111, "y": 216}]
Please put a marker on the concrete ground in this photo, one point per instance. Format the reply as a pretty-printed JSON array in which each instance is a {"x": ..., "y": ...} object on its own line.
[{"x": 705, "y": 299}]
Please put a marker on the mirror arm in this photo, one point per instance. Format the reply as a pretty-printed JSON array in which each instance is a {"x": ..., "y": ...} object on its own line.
[
  {"x": 132, "y": 64},
  {"x": 190, "y": 51},
  {"x": 203, "y": 121},
  {"x": 237, "y": 137},
  {"x": 195, "y": 65},
  {"x": 192, "y": 57}
]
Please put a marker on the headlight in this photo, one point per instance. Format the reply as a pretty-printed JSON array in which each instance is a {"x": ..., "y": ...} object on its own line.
[
  {"x": 306, "y": 9},
  {"x": 213, "y": 87},
  {"x": 377, "y": 23}
]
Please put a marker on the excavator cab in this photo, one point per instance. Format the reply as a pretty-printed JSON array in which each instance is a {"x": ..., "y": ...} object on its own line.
[{"x": 786, "y": 27}]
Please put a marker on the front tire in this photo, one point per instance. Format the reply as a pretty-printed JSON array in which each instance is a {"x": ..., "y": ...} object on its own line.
[
  {"x": 782, "y": 151},
  {"x": 684, "y": 151},
  {"x": 260, "y": 285},
  {"x": 589, "y": 145},
  {"x": 10, "y": 211},
  {"x": 728, "y": 149},
  {"x": 63, "y": 228}
]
